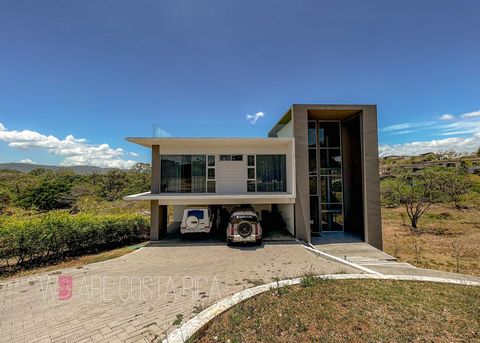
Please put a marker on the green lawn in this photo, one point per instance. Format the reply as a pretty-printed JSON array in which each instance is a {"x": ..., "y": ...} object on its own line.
[{"x": 353, "y": 311}]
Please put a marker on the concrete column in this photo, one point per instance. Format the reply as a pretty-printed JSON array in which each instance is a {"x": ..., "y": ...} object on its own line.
[
  {"x": 302, "y": 202},
  {"x": 163, "y": 220},
  {"x": 154, "y": 220},
  {"x": 155, "y": 169},
  {"x": 372, "y": 217}
]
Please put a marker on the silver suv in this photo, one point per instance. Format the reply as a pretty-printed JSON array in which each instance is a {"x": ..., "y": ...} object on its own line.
[{"x": 244, "y": 227}]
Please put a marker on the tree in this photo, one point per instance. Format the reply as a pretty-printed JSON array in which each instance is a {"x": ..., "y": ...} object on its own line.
[
  {"x": 478, "y": 152},
  {"x": 416, "y": 191},
  {"x": 453, "y": 182},
  {"x": 112, "y": 184},
  {"x": 5, "y": 199}
]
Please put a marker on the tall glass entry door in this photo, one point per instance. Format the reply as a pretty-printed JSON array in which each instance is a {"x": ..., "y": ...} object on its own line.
[{"x": 325, "y": 176}]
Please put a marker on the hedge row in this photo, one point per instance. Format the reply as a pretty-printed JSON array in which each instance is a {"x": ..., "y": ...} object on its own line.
[{"x": 57, "y": 235}]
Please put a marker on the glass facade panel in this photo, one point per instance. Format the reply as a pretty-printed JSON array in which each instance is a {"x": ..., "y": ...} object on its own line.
[
  {"x": 332, "y": 220},
  {"x": 330, "y": 161},
  {"x": 313, "y": 185},
  {"x": 211, "y": 173},
  {"x": 211, "y": 160},
  {"x": 211, "y": 186},
  {"x": 225, "y": 157},
  {"x": 324, "y": 141},
  {"x": 329, "y": 134},
  {"x": 271, "y": 173},
  {"x": 312, "y": 161},
  {"x": 183, "y": 173},
  {"x": 250, "y": 186},
  {"x": 314, "y": 217},
  {"x": 251, "y": 174},
  {"x": 237, "y": 157},
  {"x": 251, "y": 160}
]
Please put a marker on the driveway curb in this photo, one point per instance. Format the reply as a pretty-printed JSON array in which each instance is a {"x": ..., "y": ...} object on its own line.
[{"x": 192, "y": 326}]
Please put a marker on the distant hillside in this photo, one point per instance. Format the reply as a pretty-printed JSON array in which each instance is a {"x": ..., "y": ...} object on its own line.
[{"x": 27, "y": 167}]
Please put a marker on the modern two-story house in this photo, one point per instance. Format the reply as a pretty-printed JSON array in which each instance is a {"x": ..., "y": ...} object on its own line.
[{"x": 318, "y": 167}]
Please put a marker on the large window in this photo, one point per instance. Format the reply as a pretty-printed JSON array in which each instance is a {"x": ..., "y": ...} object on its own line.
[
  {"x": 183, "y": 173},
  {"x": 271, "y": 173}
]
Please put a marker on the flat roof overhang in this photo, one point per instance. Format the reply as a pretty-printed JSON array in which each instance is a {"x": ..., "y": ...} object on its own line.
[
  {"x": 177, "y": 142},
  {"x": 214, "y": 199}
]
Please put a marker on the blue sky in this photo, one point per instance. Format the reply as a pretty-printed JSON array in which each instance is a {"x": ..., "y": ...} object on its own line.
[{"x": 76, "y": 77}]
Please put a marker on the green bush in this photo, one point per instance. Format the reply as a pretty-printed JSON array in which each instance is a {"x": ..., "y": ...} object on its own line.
[{"x": 57, "y": 234}]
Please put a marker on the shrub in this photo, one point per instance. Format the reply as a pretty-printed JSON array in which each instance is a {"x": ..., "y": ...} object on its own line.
[{"x": 56, "y": 235}]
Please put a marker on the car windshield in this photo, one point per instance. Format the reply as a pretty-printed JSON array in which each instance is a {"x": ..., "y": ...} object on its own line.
[
  {"x": 237, "y": 218},
  {"x": 195, "y": 213}
]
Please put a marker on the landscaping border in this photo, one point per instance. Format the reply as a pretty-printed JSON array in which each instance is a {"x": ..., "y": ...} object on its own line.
[{"x": 192, "y": 326}]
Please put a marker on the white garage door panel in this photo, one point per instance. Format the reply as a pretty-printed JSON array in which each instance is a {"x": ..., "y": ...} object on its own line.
[{"x": 231, "y": 176}]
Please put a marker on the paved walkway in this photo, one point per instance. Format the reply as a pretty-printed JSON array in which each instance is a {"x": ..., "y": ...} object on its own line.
[
  {"x": 138, "y": 297},
  {"x": 367, "y": 256}
]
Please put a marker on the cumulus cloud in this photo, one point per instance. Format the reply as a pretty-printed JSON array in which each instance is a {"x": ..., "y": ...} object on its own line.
[
  {"x": 252, "y": 118},
  {"x": 27, "y": 160},
  {"x": 458, "y": 144},
  {"x": 447, "y": 117},
  {"x": 464, "y": 130},
  {"x": 134, "y": 154},
  {"x": 76, "y": 151}
]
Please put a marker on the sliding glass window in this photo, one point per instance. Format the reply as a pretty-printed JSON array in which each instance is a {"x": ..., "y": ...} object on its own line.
[
  {"x": 183, "y": 173},
  {"x": 271, "y": 173}
]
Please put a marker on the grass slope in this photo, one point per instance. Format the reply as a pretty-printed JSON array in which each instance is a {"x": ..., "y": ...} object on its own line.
[{"x": 353, "y": 311}]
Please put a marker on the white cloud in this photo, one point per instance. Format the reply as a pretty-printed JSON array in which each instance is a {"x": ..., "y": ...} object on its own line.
[
  {"x": 397, "y": 127},
  {"x": 2, "y": 128},
  {"x": 458, "y": 144},
  {"x": 134, "y": 154},
  {"x": 471, "y": 114},
  {"x": 447, "y": 117},
  {"x": 27, "y": 160},
  {"x": 76, "y": 151},
  {"x": 252, "y": 118}
]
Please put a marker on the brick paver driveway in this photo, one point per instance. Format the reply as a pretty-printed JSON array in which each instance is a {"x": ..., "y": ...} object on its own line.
[{"x": 138, "y": 297}]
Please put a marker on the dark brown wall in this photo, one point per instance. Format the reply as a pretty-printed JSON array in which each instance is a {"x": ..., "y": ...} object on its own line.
[{"x": 352, "y": 175}]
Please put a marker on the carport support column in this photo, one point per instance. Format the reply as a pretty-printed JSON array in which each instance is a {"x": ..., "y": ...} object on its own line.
[{"x": 155, "y": 221}]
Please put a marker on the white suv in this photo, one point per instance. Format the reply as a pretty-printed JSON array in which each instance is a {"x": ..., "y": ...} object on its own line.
[
  {"x": 244, "y": 227},
  {"x": 196, "y": 220}
]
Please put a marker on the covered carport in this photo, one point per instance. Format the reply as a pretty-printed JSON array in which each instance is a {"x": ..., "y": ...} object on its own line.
[{"x": 165, "y": 228}]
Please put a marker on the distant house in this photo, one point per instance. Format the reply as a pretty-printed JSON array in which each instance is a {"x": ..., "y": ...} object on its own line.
[{"x": 318, "y": 167}]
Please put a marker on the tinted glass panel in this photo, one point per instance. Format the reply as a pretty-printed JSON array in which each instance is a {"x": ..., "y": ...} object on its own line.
[
  {"x": 332, "y": 220},
  {"x": 251, "y": 160},
  {"x": 251, "y": 173},
  {"x": 198, "y": 173},
  {"x": 250, "y": 186},
  {"x": 211, "y": 173},
  {"x": 312, "y": 138},
  {"x": 330, "y": 161},
  {"x": 329, "y": 134},
  {"x": 312, "y": 161},
  {"x": 331, "y": 189},
  {"x": 211, "y": 161},
  {"x": 237, "y": 157},
  {"x": 313, "y": 185},
  {"x": 314, "y": 215},
  {"x": 271, "y": 173},
  {"x": 225, "y": 157},
  {"x": 211, "y": 186},
  {"x": 182, "y": 173}
]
